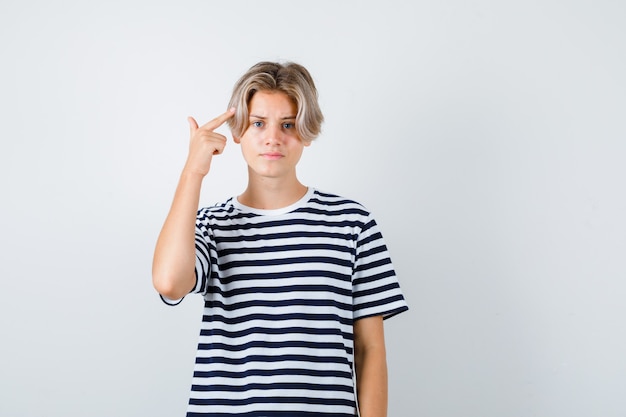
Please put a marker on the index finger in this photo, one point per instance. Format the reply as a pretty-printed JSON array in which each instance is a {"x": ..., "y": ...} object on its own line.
[{"x": 219, "y": 120}]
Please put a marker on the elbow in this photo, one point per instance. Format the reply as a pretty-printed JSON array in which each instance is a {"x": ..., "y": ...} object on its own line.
[{"x": 169, "y": 286}]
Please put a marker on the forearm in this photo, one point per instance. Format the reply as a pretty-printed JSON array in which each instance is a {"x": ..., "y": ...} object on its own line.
[
  {"x": 370, "y": 360},
  {"x": 371, "y": 371},
  {"x": 175, "y": 255}
]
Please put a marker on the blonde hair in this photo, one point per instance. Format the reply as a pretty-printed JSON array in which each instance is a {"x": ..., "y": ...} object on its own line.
[{"x": 290, "y": 78}]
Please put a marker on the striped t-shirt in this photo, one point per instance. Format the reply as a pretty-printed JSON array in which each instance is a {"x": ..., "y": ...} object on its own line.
[{"x": 282, "y": 289}]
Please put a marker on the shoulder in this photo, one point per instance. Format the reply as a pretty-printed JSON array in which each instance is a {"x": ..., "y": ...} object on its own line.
[
  {"x": 218, "y": 211},
  {"x": 336, "y": 203}
]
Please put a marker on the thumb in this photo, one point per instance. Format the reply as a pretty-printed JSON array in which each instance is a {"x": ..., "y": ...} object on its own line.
[{"x": 193, "y": 125}]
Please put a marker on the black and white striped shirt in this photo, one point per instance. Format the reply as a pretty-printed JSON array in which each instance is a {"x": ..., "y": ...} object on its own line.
[{"x": 282, "y": 289}]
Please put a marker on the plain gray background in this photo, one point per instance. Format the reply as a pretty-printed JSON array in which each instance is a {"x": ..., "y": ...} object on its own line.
[{"x": 488, "y": 138}]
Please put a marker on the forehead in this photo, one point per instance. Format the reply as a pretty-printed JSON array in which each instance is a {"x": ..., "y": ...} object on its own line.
[{"x": 268, "y": 103}]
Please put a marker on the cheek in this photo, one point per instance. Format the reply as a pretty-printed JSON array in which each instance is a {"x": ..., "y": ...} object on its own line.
[
  {"x": 297, "y": 151},
  {"x": 249, "y": 147},
  {"x": 246, "y": 137}
]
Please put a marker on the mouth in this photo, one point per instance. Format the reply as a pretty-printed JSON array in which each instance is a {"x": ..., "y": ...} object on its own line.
[{"x": 272, "y": 155}]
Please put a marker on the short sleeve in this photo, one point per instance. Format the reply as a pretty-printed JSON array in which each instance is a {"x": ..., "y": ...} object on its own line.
[
  {"x": 203, "y": 259},
  {"x": 203, "y": 264},
  {"x": 375, "y": 287}
]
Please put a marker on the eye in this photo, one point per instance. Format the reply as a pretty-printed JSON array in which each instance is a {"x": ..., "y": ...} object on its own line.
[
  {"x": 257, "y": 123},
  {"x": 288, "y": 125}
]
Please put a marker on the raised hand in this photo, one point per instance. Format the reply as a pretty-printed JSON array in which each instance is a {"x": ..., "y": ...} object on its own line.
[
  {"x": 205, "y": 142},
  {"x": 175, "y": 253}
]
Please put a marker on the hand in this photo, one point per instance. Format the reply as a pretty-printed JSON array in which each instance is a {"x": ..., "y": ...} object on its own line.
[{"x": 204, "y": 143}]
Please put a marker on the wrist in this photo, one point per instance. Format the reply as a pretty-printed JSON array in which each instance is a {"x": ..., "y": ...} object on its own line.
[{"x": 192, "y": 174}]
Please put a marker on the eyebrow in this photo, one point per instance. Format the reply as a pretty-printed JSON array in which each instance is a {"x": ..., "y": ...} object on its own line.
[{"x": 263, "y": 117}]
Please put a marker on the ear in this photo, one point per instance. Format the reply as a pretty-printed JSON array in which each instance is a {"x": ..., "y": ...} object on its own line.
[{"x": 236, "y": 140}]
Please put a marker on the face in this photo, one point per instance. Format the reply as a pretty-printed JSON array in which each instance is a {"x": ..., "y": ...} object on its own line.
[{"x": 270, "y": 145}]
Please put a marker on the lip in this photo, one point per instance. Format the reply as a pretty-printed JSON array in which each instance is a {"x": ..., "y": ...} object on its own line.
[{"x": 272, "y": 155}]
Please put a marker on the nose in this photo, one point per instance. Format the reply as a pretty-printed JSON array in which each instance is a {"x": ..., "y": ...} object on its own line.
[{"x": 273, "y": 134}]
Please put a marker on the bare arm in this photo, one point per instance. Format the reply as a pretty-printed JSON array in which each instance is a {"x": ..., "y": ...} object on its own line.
[
  {"x": 174, "y": 259},
  {"x": 371, "y": 366}
]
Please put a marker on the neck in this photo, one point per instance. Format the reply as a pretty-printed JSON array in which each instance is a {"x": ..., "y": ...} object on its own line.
[{"x": 271, "y": 194}]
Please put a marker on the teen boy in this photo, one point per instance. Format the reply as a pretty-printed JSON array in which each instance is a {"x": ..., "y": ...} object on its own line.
[{"x": 296, "y": 282}]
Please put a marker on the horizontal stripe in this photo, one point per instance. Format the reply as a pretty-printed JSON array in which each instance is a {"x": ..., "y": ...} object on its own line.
[
  {"x": 274, "y": 400},
  {"x": 275, "y": 276},
  {"x": 313, "y": 318},
  {"x": 285, "y": 261},
  {"x": 379, "y": 303},
  {"x": 376, "y": 290},
  {"x": 282, "y": 291},
  {"x": 280, "y": 303},
  {"x": 293, "y": 224},
  {"x": 271, "y": 387},
  {"x": 372, "y": 279},
  {"x": 392, "y": 310},
  {"x": 270, "y": 331},
  {"x": 300, "y": 247},
  {"x": 272, "y": 358},
  {"x": 317, "y": 373},
  {"x": 224, "y": 239},
  {"x": 302, "y": 288},
  {"x": 272, "y": 413},
  {"x": 371, "y": 265},
  {"x": 271, "y": 345}
]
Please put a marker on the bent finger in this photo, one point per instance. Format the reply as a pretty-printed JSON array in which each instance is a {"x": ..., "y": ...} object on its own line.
[{"x": 219, "y": 147}]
